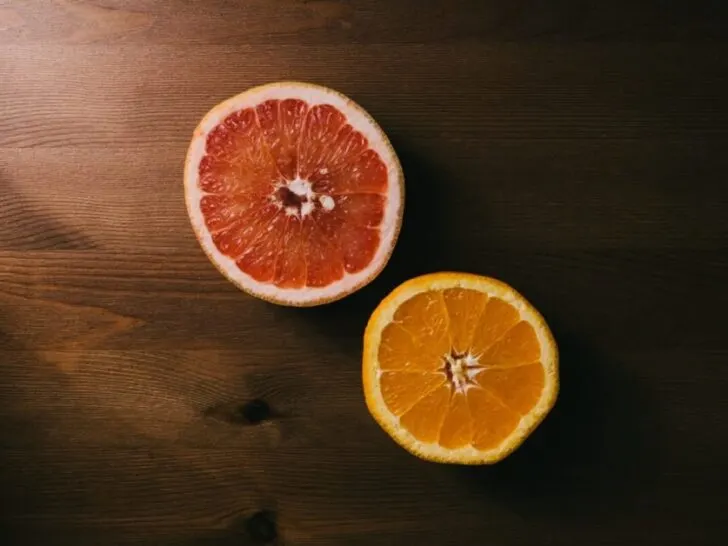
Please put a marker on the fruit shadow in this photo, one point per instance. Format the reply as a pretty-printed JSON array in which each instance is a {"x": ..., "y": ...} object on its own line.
[
  {"x": 420, "y": 249},
  {"x": 29, "y": 227},
  {"x": 597, "y": 451}
]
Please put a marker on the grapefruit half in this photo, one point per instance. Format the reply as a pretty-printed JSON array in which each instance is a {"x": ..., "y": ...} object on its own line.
[{"x": 294, "y": 193}]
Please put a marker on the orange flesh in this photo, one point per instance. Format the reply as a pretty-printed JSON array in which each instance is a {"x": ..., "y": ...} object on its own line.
[
  {"x": 460, "y": 368},
  {"x": 268, "y": 173}
]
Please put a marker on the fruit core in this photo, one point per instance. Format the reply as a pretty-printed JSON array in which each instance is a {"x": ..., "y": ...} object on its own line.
[
  {"x": 298, "y": 199},
  {"x": 460, "y": 370}
]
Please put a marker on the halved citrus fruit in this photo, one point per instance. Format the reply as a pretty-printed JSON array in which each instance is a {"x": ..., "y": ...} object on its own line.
[
  {"x": 294, "y": 192},
  {"x": 459, "y": 368}
]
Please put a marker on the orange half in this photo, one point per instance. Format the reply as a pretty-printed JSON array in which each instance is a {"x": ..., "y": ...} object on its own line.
[{"x": 459, "y": 368}]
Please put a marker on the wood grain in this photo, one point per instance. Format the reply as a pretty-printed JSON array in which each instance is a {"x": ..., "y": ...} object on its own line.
[
  {"x": 375, "y": 21},
  {"x": 576, "y": 151}
]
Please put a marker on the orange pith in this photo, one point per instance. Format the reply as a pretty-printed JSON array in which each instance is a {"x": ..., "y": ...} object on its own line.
[{"x": 459, "y": 368}]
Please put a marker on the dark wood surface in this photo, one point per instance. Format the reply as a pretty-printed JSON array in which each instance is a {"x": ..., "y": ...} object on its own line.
[{"x": 578, "y": 152}]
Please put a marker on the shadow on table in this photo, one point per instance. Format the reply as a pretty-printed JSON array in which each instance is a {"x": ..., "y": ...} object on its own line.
[
  {"x": 596, "y": 451},
  {"x": 27, "y": 225},
  {"x": 420, "y": 249}
]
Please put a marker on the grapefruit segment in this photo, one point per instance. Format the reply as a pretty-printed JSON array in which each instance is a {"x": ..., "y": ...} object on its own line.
[
  {"x": 359, "y": 209},
  {"x": 365, "y": 173},
  {"x": 318, "y": 140},
  {"x": 348, "y": 145},
  {"x": 262, "y": 254},
  {"x": 294, "y": 193},
  {"x": 281, "y": 122},
  {"x": 359, "y": 247},
  {"x": 291, "y": 267},
  {"x": 324, "y": 262},
  {"x": 489, "y": 354}
]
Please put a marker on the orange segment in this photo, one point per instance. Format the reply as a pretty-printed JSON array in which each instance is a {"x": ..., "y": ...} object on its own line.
[
  {"x": 497, "y": 318},
  {"x": 397, "y": 351},
  {"x": 464, "y": 307},
  {"x": 492, "y": 420},
  {"x": 518, "y": 346},
  {"x": 518, "y": 388},
  {"x": 424, "y": 316},
  {"x": 402, "y": 390},
  {"x": 457, "y": 429},
  {"x": 424, "y": 419},
  {"x": 458, "y": 368}
]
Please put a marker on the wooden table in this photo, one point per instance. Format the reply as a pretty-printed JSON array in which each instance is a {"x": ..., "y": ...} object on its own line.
[{"x": 579, "y": 153}]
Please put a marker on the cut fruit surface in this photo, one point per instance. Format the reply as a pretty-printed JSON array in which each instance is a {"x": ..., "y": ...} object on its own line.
[
  {"x": 459, "y": 368},
  {"x": 294, "y": 192}
]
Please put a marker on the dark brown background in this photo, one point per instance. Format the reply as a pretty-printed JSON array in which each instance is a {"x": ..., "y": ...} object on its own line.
[{"x": 579, "y": 153}]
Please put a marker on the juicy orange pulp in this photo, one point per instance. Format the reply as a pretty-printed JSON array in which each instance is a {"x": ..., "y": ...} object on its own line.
[
  {"x": 459, "y": 368},
  {"x": 294, "y": 194}
]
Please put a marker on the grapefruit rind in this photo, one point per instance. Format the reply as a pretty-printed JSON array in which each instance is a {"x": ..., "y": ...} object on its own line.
[
  {"x": 360, "y": 120},
  {"x": 467, "y": 455}
]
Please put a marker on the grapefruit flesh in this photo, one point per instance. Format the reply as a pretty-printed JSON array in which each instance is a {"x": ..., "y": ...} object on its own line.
[{"x": 294, "y": 192}]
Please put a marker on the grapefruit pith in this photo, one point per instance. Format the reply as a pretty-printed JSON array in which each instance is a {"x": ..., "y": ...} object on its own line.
[{"x": 294, "y": 193}]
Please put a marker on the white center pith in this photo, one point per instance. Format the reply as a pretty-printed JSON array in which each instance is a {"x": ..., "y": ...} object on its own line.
[
  {"x": 461, "y": 369},
  {"x": 298, "y": 199}
]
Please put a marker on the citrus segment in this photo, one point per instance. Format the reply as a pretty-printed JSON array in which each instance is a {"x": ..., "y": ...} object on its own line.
[
  {"x": 398, "y": 351},
  {"x": 464, "y": 309},
  {"x": 519, "y": 345},
  {"x": 495, "y": 421},
  {"x": 457, "y": 429},
  {"x": 281, "y": 122},
  {"x": 291, "y": 267},
  {"x": 365, "y": 173},
  {"x": 263, "y": 251},
  {"x": 320, "y": 130},
  {"x": 518, "y": 388},
  {"x": 402, "y": 390},
  {"x": 425, "y": 317},
  {"x": 424, "y": 419},
  {"x": 324, "y": 262},
  {"x": 294, "y": 193},
  {"x": 497, "y": 319},
  {"x": 458, "y": 368}
]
